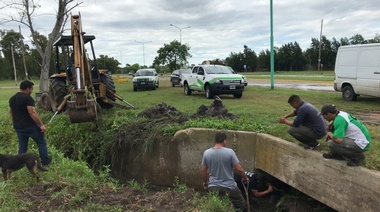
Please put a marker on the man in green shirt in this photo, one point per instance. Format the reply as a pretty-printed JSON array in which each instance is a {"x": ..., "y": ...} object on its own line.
[{"x": 347, "y": 137}]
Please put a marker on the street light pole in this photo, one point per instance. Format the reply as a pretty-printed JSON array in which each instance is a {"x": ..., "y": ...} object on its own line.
[
  {"x": 180, "y": 41},
  {"x": 121, "y": 57},
  {"x": 143, "y": 43}
]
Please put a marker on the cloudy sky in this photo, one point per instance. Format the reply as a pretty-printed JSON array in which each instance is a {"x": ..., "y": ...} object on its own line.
[{"x": 217, "y": 27}]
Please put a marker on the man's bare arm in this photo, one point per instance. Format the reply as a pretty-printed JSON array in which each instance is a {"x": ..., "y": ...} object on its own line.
[
  {"x": 33, "y": 113},
  {"x": 239, "y": 169},
  {"x": 204, "y": 176}
]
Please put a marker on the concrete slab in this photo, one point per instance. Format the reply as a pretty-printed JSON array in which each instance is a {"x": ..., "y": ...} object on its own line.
[{"x": 329, "y": 181}]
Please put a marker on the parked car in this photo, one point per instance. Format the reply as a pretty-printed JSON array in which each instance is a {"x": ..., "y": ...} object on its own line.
[
  {"x": 145, "y": 79},
  {"x": 176, "y": 76},
  {"x": 244, "y": 77}
]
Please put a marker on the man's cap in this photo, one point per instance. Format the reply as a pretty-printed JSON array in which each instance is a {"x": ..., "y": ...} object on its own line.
[{"x": 327, "y": 108}]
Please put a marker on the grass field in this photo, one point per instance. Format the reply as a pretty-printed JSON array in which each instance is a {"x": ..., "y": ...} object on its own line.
[{"x": 259, "y": 108}]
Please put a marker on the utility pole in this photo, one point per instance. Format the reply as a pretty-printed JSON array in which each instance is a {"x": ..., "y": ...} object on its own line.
[
  {"x": 271, "y": 47},
  {"x": 143, "y": 43},
  {"x": 23, "y": 54},
  {"x": 14, "y": 64},
  {"x": 320, "y": 45}
]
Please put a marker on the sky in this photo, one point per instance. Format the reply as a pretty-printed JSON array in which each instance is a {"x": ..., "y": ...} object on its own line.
[{"x": 132, "y": 31}]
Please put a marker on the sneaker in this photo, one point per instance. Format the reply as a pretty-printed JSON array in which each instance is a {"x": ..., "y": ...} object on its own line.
[
  {"x": 356, "y": 161},
  {"x": 353, "y": 163},
  {"x": 332, "y": 156},
  {"x": 312, "y": 147}
]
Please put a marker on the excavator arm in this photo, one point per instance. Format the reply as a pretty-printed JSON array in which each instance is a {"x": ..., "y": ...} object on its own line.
[{"x": 82, "y": 106}]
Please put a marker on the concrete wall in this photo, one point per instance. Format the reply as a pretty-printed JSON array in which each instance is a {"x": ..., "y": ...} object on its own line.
[{"x": 329, "y": 181}]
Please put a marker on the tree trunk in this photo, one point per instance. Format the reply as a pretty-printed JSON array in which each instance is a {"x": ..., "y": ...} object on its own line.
[{"x": 44, "y": 77}]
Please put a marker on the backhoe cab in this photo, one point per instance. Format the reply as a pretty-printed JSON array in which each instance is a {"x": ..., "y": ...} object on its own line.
[{"x": 78, "y": 87}]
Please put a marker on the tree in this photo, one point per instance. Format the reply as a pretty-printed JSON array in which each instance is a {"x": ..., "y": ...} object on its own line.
[
  {"x": 11, "y": 39},
  {"x": 109, "y": 63},
  {"x": 376, "y": 39},
  {"x": 26, "y": 10},
  {"x": 170, "y": 53},
  {"x": 235, "y": 60},
  {"x": 290, "y": 57},
  {"x": 249, "y": 59},
  {"x": 344, "y": 41},
  {"x": 357, "y": 39},
  {"x": 217, "y": 61},
  {"x": 263, "y": 60}
]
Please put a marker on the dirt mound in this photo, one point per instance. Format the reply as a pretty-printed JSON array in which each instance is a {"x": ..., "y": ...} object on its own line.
[
  {"x": 216, "y": 109},
  {"x": 163, "y": 110}
]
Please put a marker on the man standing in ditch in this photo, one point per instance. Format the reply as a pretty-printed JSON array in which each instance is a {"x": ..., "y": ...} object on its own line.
[
  {"x": 26, "y": 121},
  {"x": 347, "y": 137},
  {"x": 307, "y": 127},
  {"x": 218, "y": 165}
]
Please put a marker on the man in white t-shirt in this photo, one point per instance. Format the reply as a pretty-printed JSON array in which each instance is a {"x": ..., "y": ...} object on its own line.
[{"x": 347, "y": 137}]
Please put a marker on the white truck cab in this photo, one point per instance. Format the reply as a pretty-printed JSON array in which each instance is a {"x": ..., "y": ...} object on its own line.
[
  {"x": 357, "y": 71},
  {"x": 214, "y": 80}
]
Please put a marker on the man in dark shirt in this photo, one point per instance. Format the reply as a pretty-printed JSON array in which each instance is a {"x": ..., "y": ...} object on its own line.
[
  {"x": 26, "y": 121},
  {"x": 257, "y": 186},
  {"x": 307, "y": 127}
]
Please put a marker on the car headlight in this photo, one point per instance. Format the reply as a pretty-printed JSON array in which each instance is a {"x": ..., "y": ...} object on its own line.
[
  {"x": 151, "y": 79},
  {"x": 217, "y": 81},
  {"x": 134, "y": 80}
]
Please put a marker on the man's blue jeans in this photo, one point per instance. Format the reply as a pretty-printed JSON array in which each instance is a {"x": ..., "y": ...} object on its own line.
[{"x": 35, "y": 133}]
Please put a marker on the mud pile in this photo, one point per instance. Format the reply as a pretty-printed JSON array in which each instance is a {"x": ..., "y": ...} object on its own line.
[
  {"x": 163, "y": 110},
  {"x": 216, "y": 109}
]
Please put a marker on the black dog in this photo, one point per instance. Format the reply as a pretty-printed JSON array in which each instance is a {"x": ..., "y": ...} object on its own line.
[{"x": 11, "y": 163}]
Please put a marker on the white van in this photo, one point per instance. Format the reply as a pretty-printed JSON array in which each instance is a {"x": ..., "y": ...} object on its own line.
[{"x": 357, "y": 71}]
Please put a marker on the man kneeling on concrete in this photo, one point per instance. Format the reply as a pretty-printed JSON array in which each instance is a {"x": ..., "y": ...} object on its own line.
[
  {"x": 218, "y": 165},
  {"x": 307, "y": 127},
  {"x": 347, "y": 137}
]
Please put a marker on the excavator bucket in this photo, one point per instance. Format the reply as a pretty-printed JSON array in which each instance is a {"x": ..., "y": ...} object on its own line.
[{"x": 82, "y": 113}]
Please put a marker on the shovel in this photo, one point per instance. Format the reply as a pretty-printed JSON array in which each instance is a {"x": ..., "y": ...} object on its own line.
[{"x": 246, "y": 187}]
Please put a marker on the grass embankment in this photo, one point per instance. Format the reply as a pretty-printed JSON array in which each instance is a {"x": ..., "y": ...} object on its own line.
[{"x": 258, "y": 110}]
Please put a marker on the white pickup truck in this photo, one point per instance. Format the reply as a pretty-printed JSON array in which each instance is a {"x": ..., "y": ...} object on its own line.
[{"x": 214, "y": 80}]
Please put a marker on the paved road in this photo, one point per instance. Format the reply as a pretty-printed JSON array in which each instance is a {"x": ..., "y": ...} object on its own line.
[{"x": 304, "y": 85}]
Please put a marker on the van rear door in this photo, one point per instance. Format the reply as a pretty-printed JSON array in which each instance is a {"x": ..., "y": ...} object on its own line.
[
  {"x": 346, "y": 66},
  {"x": 368, "y": 76}
]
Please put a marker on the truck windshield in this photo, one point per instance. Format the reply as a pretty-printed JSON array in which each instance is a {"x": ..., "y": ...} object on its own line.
[
  {"x": 217, "y": 70},
  {"x": 144, "y": 73}
]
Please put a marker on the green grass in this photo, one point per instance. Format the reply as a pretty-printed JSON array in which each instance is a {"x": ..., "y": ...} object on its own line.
[{"x": 258, "y": 109}]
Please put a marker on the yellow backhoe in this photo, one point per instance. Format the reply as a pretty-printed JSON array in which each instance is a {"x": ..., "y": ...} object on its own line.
[{"x": 78, "y": 87}]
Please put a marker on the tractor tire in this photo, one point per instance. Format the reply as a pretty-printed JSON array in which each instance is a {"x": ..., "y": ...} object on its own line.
[
  {"x": 108, "y": 82},
  {"x": 59, "y": 91},
  {"x": 45, "y": 102}
]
